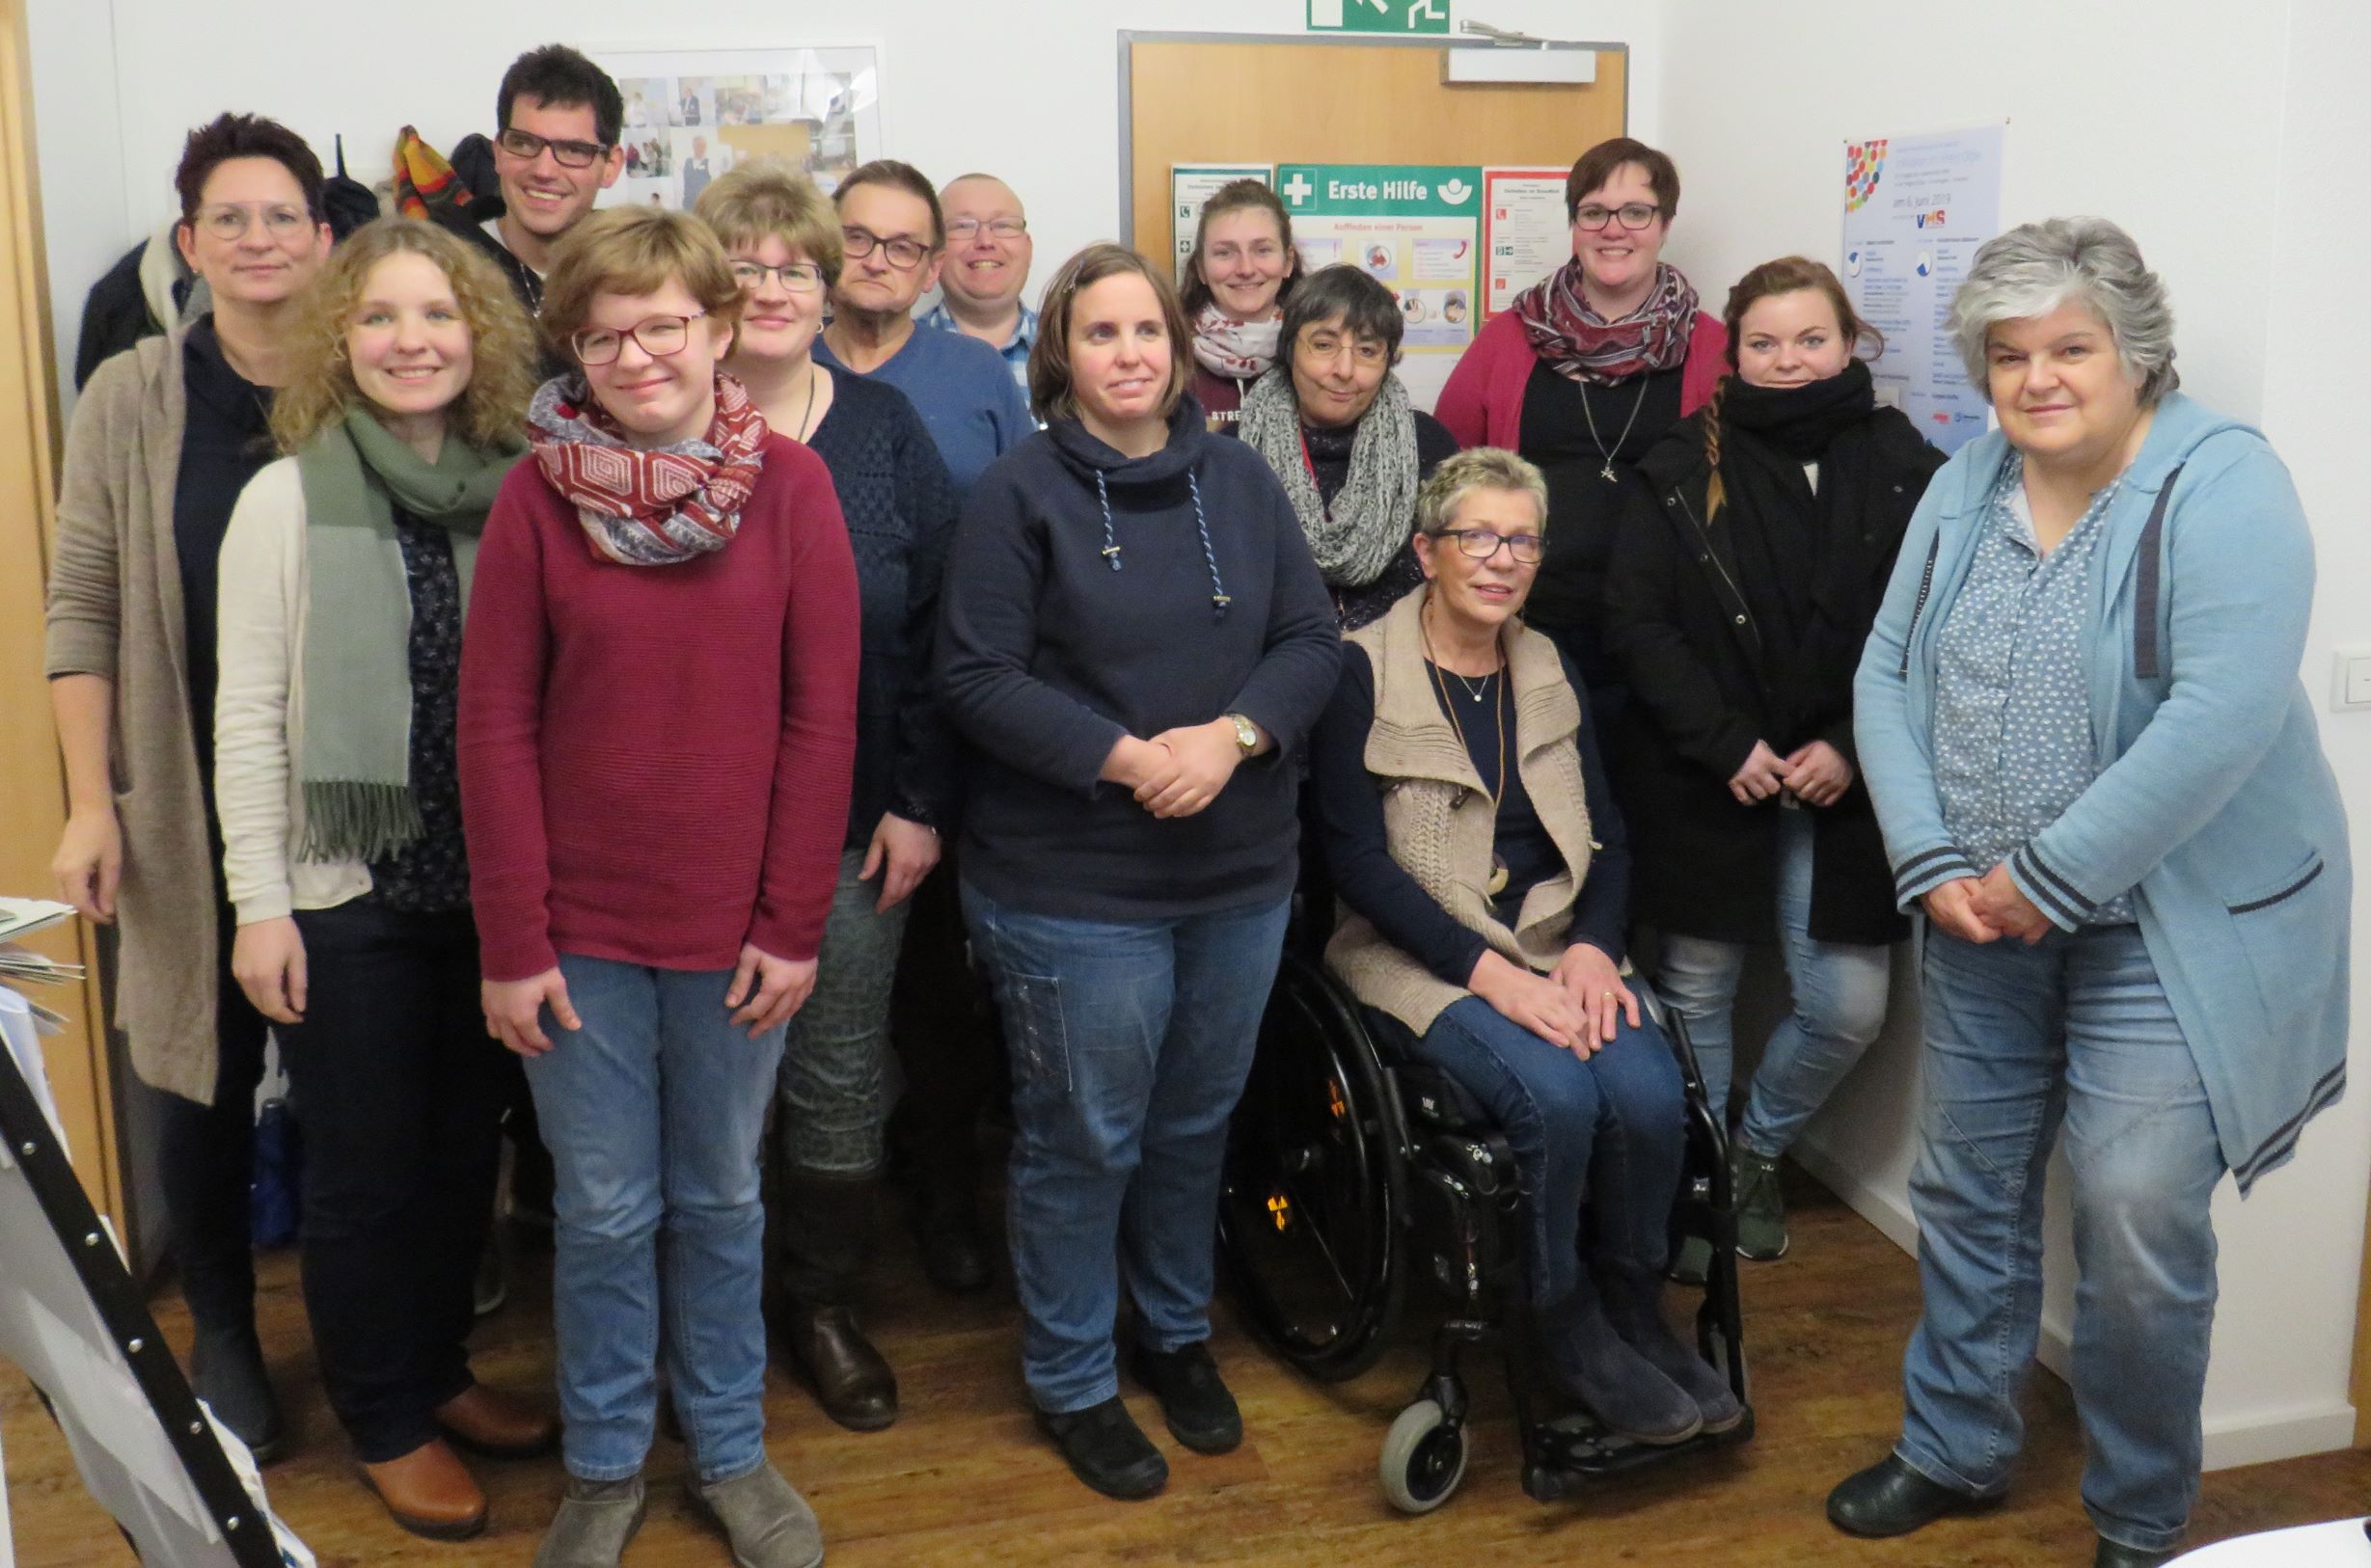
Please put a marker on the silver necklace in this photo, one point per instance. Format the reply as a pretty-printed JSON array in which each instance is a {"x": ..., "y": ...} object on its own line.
[
  {"x": 1474, "y": 686},
  {"x": 1607, "y": 472}
]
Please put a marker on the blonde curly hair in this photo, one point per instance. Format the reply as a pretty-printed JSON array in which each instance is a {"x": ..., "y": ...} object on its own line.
[{"x": 503, "y": 375}]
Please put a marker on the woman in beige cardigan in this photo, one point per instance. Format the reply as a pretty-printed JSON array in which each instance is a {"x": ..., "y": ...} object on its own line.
[
  {"x": 163, "y": 439},
  {"x": 1481, "y": 868}
]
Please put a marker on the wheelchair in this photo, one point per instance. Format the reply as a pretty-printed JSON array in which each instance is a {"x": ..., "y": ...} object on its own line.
[{"x": 1351, "y": 1165}]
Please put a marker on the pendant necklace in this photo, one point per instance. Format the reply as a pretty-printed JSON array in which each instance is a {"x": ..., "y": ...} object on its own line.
[
  {"x": 813, "y": 372},
  {"x": 1607, "y": 472},
  {"x": 1499, "y": 872}
]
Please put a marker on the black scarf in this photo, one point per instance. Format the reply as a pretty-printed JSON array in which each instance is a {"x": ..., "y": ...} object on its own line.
[{"x": 1799, "y": 553}]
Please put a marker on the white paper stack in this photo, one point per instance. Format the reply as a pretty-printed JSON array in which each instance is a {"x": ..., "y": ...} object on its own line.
[{"x": 19, "y": 917}]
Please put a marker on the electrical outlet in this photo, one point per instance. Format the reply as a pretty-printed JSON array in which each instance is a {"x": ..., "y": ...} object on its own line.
[{"x": 2350, "y": 684}]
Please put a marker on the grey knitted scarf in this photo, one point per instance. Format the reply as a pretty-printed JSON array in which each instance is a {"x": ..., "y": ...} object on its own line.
[{"x": 1371, "y": 518}]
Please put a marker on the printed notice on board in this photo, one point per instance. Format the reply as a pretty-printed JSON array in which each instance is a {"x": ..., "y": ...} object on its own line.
[
  {"x": 1191, "y": 184},
  {"x": 1525, "y": 234},
  {"x": 1916, "y": 208},
  {"x": 1414, "y": 227}
]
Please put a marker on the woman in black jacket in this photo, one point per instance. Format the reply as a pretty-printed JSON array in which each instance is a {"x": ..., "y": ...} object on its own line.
[{"x": 1742, "y": 587}]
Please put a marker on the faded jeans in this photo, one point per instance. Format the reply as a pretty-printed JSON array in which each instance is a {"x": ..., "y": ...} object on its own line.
[{"x": 833, "y": 1081}]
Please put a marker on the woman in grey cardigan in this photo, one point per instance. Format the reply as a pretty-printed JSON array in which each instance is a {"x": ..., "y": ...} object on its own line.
[
  {"x": 164, "y": 436},
  {"x": 2097, "y": 772}
]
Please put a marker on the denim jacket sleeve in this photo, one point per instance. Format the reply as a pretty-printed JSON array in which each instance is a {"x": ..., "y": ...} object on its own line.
[{"x": 2238, "y": 582}]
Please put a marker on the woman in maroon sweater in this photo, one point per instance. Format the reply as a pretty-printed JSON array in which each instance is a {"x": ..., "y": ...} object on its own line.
[{"x": 657, "y": 730}]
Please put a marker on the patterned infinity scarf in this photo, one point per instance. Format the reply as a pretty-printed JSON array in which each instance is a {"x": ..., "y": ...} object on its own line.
[
  {"x": 648, "y": 509},
  {"x": 1369, "y": 522},
  {"x": 1583, "y": 345},
  {"x": 1237, "y": 349}
]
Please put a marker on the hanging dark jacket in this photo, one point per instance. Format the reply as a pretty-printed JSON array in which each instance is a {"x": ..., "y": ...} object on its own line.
[
  {"x": 1703, "y": 673},
  {"x": 149, "y": 290}
]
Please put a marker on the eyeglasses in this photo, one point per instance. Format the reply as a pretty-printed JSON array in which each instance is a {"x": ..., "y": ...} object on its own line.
[
  {"x": 528, "y": 146},
  {"x": 660, "y": 337},
  {"x": 1482, "y": 544},
  {"x": 964, "y": 230},
  {"x": 231, "y": 220},
  {"x": 796, "y": 276},
  {"x": 1325, "y": 347},
  {"x": 905, "y": 255},
  {"x": 1633, "y": 215}
]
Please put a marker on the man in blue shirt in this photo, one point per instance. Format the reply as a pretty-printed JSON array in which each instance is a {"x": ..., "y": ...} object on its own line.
[
  {"x": 987, "y": 266},
  {"x": 895, "y": 235}
]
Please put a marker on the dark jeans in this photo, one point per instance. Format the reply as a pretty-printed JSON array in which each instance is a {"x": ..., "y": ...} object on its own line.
[
  {"x": 399, "y": 1094},
  {"x": 949, "y": 1055},
  {"x": 205, "y": 1163}
]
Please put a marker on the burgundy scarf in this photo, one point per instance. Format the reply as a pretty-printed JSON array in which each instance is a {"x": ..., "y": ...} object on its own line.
[
  {"x": 648, "y": 509},
  {"x": 1582, "y": 344}
]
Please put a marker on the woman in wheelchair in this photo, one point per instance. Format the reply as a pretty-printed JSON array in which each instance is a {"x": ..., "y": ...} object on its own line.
[{"x": 1483, "y": 871}]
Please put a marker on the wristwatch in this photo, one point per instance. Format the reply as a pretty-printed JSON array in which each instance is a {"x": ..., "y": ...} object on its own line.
[{"x": 1247, "y": 733}]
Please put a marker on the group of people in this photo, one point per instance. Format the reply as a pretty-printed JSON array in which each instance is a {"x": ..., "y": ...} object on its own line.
[{"x": 638, "y": 637}]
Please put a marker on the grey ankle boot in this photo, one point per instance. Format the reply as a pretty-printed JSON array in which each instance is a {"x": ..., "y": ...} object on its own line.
[
  {"x": 763, "y": 1517},
  {"x": 1634, "y": 1305},
  {"x": 1622, "y": 1388},
  {"x": 596, "y": 1519}
]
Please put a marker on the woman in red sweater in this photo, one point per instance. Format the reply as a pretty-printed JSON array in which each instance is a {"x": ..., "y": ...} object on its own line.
[
  {"x": 657, "y": 731},
  {"x": 1586, "y": 372}
]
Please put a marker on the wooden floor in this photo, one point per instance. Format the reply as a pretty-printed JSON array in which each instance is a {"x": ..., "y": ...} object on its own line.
[{"x": 965, "y": 1479}]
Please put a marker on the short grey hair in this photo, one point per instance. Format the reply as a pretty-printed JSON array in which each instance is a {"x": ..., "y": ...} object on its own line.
[
  {"x": 1476, "y": 468},
  {"x": 2036, "y": 267}
]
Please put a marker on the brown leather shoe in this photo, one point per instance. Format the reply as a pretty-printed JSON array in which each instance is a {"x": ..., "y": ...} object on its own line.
[
  {"x": 498, "y": 1425},
  {"x": 851, "y": 1380},
  {"x": 429, "y": 1492}
]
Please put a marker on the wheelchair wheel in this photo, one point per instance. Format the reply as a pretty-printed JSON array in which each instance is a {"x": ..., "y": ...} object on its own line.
[
  {"x": 1309, "y": 1216},
  {"x": 1423, "y": 1458}
]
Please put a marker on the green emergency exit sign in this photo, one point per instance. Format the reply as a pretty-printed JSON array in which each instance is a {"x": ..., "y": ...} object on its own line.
[{"x": 1403, "y": 16}]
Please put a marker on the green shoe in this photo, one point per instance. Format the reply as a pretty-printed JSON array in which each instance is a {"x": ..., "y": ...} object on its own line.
[
  {"x": 1761, "y": 1213},
  {"x": 1694, "y": 1265}
]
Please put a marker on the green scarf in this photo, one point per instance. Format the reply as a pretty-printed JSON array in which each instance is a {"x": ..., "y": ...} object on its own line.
[{"x": 357, "y": 739}]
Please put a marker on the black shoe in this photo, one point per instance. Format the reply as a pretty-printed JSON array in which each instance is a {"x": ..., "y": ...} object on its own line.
[
  {"x": 1108, "y": 1450},
  {"x": 226, "y": 1371},
  {"x": 954, "y": 1253},
  {"x": 1193, "y": 1399},
  {"x": 1891, "y": 1498},
  {"x": 1621, "y": 1387},
  {"x": 2115, "y": 1555}
]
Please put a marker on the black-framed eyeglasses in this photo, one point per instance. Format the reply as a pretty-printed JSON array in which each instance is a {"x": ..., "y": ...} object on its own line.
[
  {"x": 905, "y": 255},
  {"x": 964, "y": 230},
  {"x": 660, "y": 335},
  {"x": 527, "y": 144},
  {"x": 1482, "y": 543},
  {"x": 1633, "y": 215},
  {"x": 795, "y": 277}
]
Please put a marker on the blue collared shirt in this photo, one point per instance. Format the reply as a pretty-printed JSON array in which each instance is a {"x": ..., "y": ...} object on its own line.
[
  {"x": 2013, "y": 743},
  {"x": 1016, "y": 351}
]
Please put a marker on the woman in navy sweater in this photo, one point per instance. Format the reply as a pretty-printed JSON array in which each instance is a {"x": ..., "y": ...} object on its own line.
[{"x": 1134, "y": 642}]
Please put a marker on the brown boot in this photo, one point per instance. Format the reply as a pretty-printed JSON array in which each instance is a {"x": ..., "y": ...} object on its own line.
[
  {"x": 498, "y": 1425},
  {"x": 429, "y": 1492},
  {"x": 823, "y": 1224}
]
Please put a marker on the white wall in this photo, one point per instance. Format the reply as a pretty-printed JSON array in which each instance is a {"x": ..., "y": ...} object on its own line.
[
  {"x": 1028, "y": 89},
  {"x": 2230, "y": 142}
]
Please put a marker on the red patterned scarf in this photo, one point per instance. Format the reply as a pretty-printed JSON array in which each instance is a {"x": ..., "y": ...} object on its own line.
[
  {"x": 1582, "y": 344},
  {"x": 648, "y": 509}
]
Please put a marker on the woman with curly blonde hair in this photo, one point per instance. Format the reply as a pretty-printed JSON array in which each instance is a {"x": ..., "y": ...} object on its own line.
[{"x": 345, "y": 574}]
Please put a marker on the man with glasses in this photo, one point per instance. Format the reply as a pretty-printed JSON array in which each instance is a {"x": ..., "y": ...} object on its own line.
[
  {"x": 986, "y": 268},
  {"x": 894, "y": 232},
  {"x": 559, "y": 119}
]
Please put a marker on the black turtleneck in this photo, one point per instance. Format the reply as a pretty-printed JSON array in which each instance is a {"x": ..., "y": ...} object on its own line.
[{"x": 226, "y": 441}]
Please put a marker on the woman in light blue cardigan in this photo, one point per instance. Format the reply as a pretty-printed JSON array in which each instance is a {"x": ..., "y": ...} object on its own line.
[{"x": 2099, "y": 775}]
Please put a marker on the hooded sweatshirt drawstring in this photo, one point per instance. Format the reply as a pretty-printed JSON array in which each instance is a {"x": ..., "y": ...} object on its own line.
[{"x": 1220, "y": 600}]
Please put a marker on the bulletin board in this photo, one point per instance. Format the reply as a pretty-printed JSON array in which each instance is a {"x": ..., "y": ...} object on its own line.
[{"x": 1188, "y": 98}]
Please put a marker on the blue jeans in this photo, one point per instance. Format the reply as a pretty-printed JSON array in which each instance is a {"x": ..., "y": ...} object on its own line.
[
  {"x": 1609, "y": 1130},
  {"x": 1839, "y": 993},
  {"x": 834, "y": 1078},
  {"x": 2019, "y": 1039},
  {"x": 653, "y": 1112},
  {"x": 1129, "y": 1043}
]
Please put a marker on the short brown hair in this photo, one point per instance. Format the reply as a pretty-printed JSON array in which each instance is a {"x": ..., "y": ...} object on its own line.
[
  {"x": 898, "y": 175},
  {"x": 770, "y": 198},
  {"x": 1599, "y": 163},
  {"x": 1236, "y": 196},
  {"x": 635, "y": 250},
  {"x": 322, "y": 388},
  {"x": 1052, "y": 394},
  {"x": 244, "y": 136}
]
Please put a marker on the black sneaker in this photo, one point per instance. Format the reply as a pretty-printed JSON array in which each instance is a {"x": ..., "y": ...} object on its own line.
[
  {"x": 1194, "y": 1402},
  {"x": 1108, "y": 1450}
]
